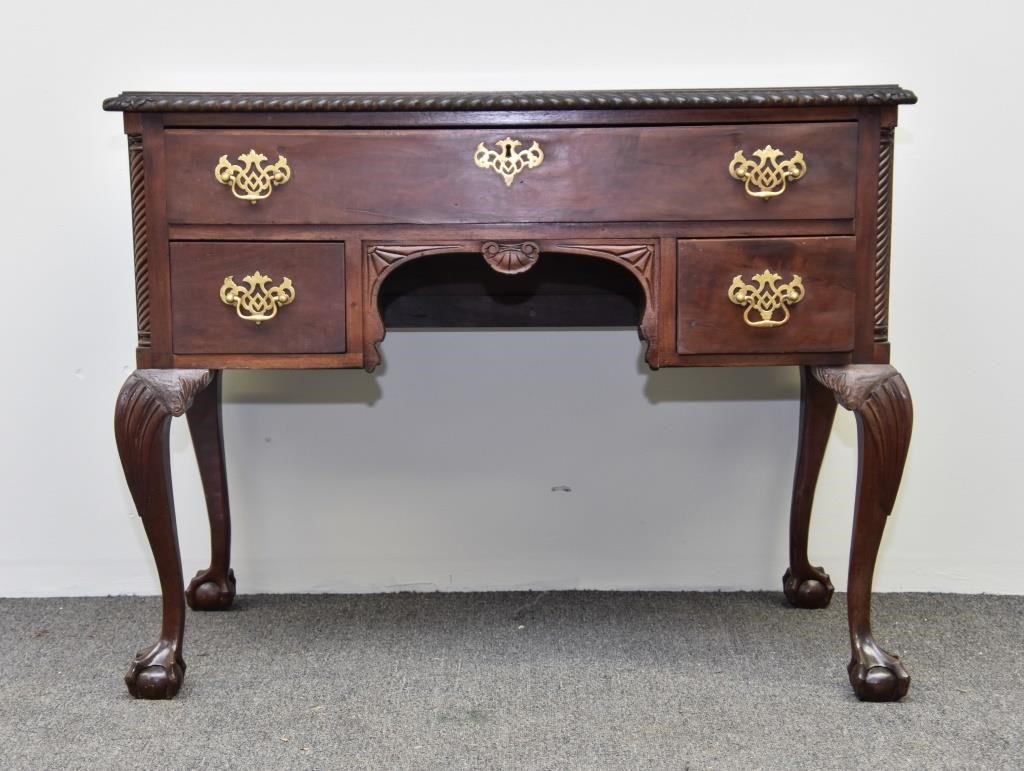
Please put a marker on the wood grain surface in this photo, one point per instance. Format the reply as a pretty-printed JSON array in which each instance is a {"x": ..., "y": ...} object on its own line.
[
  {"x": 822, "y": 321},
  {"x": 670, "y": 173},
  {"x": 313, "y": 323}
]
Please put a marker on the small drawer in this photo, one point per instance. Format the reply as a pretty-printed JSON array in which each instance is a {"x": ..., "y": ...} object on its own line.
[
  {"x": 791, "y": 171},
  {"x": 290, "y": 297},
  {"x": 766, "y": 295}
]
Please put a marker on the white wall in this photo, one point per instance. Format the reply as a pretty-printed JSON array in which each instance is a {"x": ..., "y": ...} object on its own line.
[{"x": 438, "y": 471}]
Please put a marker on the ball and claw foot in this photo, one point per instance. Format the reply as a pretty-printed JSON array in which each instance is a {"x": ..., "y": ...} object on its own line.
[
  {"x": 208, "y": 591},
  {"x": 156, "y": 673},
  {"x": 809, "y": 592},
  {"x": 878, "y": 675}
]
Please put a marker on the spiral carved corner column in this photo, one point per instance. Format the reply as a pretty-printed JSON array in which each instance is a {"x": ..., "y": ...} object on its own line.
[
  {"x": 883, "y": 235},
  {"x": 142, "y": 419},
  {"x": 140, "y": 237},
  {"x": 880, "y": 400}
]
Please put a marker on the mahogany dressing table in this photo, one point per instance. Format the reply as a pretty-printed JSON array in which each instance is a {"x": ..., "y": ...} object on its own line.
[{"x": 732, "y": 227}]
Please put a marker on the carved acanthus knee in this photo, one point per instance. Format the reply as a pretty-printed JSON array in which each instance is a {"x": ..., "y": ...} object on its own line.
[{"x": 879, "y": 397}]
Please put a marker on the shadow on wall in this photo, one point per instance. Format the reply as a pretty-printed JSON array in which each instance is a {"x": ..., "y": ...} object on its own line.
[
  {"x": 558, "y": 461},
  {"x": 677, "y": 384},
  {"x": 720, "y": 384}
]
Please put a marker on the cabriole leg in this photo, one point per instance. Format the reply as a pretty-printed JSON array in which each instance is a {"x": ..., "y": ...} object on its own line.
[
  {"x": 805, "y": 585},
  {"x": 879, "y": 398},
  {"x": 142, "y": 420},
  {"x": 214, "y": 587}
]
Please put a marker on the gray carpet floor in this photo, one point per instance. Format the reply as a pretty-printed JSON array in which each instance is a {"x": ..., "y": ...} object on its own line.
[{"x": 559, "y": 680}]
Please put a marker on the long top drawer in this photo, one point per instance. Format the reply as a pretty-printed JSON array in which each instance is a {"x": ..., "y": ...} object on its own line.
[{"x": 626, "y": 174}]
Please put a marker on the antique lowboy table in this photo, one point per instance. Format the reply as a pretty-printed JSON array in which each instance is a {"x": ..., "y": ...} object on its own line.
[{"x": 733, "y": 227}]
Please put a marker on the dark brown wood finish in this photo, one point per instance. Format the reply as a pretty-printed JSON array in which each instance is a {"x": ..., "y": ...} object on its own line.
[
  {"x": 314, "y": 322},
  {"x": 159, "y": 352},
  {"x": 461, "y": 290},
  {"x": 638, "y": 258},
  {"x": 384, "y": 193},
  {"x": 805, "y": 585},
  {"x": 214, "y": 587},
  {"x": 142, "y": 421},
  {"x": 270, "y": 361},
  {"x": 587, "y": 175},
  {"x": 883, "y": 239},
  {"x": 508, "y": 101},
  {"x": 476, "y": 118},
  {"x": 823, "y": 320},
  {"x": 515, "y": 232},
  {"x": 865, "y": 230},
  {"x": 140, "y": 237},
  {"x": 878, "y": 396}
]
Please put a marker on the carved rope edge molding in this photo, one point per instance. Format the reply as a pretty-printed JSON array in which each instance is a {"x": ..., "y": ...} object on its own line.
[
  {"x": 140, "y": 237},
  {"x": 835, "y": 96}
]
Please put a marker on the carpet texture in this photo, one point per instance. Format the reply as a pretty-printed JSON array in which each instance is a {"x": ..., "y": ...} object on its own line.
[{"x": 559, "y": 680}]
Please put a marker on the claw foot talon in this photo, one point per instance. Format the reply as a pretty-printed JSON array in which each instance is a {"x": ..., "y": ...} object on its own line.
[
  {"x": 814, "y": 591},
  {"x": 879, "y": 678},
  {"x": 208, "y": 591},
  {"x": 156, "y": 674}
]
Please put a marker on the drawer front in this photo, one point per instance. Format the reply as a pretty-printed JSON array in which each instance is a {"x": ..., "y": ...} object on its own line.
[
  {"x": 766, "y": 295},
  {"x": 295, "y": 305},
  {"x": 665, "y": 173}
]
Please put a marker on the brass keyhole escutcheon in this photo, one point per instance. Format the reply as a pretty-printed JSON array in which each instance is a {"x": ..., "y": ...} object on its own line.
[{"x": 507, "y": 161}]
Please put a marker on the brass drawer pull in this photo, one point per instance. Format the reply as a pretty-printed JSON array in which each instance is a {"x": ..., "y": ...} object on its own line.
[
  {"x": 252, "y": 182},
  {"x": 766, "y": 298},
  {"x": 507, "y": 161},
  {"x": 256, "y": 302},
  {"x": 767, "y": 178}
]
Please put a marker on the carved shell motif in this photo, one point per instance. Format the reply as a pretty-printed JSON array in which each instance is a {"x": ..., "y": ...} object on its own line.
[{"x": 511, "y": 258}]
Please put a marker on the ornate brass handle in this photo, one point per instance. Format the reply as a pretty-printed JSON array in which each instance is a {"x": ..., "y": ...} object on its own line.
[
  {"x": 767, "y": 178},
  {"x": 256, "y": 301},
  {"x": 766, "y": 298},
  {"x": 252, "y": 182},
  {"x": 507, "y": 161}
]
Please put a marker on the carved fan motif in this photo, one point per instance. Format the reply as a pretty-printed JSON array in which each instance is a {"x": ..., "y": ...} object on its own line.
[{"x": 511, "y": 258}]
